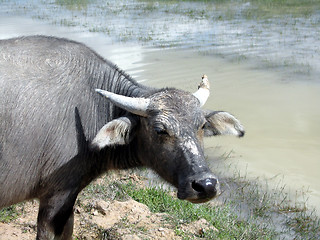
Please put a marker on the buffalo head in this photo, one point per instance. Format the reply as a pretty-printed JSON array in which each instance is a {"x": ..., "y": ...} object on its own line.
[{"x": 169, "y": 126}]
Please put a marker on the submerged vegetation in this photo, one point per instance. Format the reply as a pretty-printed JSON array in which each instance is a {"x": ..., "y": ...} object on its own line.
[
  {"x": 274, "y": 34},
  {"x": 73, "y": 4},
  {"x": 232, "y": 9}
]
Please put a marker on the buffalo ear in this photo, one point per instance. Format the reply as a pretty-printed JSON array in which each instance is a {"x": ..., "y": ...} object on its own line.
[
  {"x": 116, "y": 132},
  {"x": 222, "y": 123}
]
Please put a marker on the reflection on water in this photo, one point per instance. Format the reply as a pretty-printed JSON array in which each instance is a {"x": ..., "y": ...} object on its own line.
[{"x": 281, "y": 117}]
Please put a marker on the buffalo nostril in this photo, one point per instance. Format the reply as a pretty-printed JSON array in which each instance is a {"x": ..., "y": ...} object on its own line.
[
  {"x": 197, "y": 186},
  {"x": 206, "y": 187}
]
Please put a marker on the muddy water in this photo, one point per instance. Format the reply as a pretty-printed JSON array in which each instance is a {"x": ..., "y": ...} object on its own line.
[{"x": 281, "y": 116}]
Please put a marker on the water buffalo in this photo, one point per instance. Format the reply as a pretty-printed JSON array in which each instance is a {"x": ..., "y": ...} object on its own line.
[{"x": 57, "y": 133}]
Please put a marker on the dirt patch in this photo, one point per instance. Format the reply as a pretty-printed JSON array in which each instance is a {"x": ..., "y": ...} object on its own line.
[
  {"x": 119, "y": 220},
  {"x": 24, "y": 227},
  {"x": 97, "y": 218}
]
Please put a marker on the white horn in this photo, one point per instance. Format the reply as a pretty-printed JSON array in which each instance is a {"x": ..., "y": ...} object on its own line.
[
  {"x": 203, "y": 91},
  {"x": 134, "y": 105}
]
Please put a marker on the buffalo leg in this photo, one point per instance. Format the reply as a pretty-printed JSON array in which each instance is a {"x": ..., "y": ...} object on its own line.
[{"x": 55, "y": 219}]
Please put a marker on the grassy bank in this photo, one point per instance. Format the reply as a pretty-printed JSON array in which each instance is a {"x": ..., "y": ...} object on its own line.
[
  {"x": 226, "y": 224},
  {"x": 246, "y": 210}
]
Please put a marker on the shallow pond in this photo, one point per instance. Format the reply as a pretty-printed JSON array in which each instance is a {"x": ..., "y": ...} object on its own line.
[{"x": 275, "y": 92}]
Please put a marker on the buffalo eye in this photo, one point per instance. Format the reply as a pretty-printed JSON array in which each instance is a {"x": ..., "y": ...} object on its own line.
[
  {"x": 203, "y": 126},
  {"x": 161, "y": 131}
]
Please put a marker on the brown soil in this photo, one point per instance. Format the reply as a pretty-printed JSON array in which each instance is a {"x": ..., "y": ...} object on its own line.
[{"x": 105, "y": 219}]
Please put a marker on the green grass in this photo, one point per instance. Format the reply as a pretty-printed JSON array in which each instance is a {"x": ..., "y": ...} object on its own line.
[
  {"x": 182, "y": 212},
  {"x": 74, "y": 4},
  {"x": 8, "y": 214},
  {"x": 113, "y": 190},
  {"x": 276, "y": 8}
]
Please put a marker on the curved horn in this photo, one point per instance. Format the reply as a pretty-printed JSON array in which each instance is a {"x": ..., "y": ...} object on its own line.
[
  {"x": 134, "y": 105},
  {"x": 203, "y": 91}
]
